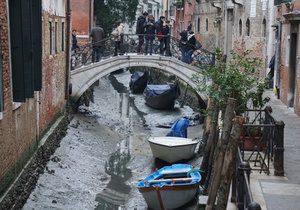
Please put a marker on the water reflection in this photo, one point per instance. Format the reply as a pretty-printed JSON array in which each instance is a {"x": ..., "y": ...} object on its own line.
[{"x": 114, "y": 196}]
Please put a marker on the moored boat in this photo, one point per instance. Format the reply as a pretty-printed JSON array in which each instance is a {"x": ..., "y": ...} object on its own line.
[
  {"x": 161, "y": 96},
  {"x": 138, "y": 81},
  {"x": 172, "y": 149},
  {"x": 170, "y": 187}
]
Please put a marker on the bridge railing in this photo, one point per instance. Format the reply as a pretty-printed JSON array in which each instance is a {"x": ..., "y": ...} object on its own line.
[{"x": 129, "y": 44}]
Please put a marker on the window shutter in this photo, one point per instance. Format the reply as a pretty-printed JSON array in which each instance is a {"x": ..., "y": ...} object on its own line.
[
  {"x": 27, "y": 48},
  {"x": 16, "y": 50},
  {"x": 37, "y": 43}
]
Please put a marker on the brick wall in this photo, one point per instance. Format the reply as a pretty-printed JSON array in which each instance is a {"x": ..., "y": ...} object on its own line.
[
  {"x": 21, "y": 124},
  {"x": 18, "y": 127},
  {"x": 256, "y": 42},
  {"x": 52, "y": 96},
  {"x": 81, "y": 16}
]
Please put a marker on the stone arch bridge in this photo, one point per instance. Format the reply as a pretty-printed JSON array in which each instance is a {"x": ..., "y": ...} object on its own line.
[{"x": 85, "y": 73}]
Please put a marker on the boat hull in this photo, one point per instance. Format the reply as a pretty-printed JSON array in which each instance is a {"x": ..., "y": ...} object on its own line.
[
  {"x": 172, "y": 153},
  {"x": 171, "y": 197},
  {"x": 170, "y": 187},
  {"x": 163, "y": 101}
]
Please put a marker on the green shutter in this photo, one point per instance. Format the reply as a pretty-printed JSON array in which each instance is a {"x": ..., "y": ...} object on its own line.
[
  {"x": 16, "y": 50},
  {"x": 27, "y": 48},
  {"x": 37, "y": 43}
]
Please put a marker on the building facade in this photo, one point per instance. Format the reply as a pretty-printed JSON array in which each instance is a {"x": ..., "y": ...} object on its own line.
[
  {"x": 234, "y": 25},
  {"x": 33, "y": 78},
  {"x": 287, "y": 65},
  {"x": 82, "y": 19}
]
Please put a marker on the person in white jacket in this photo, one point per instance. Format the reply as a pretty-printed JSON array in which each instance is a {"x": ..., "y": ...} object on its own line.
[{"x": 118, "y": 35}]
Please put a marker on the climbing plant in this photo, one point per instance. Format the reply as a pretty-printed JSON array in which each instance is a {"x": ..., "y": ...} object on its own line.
[{"x": 239, "y": 79}]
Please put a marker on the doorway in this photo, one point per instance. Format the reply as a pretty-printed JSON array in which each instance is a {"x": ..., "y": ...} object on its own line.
[{"x": 292, "y": 65}]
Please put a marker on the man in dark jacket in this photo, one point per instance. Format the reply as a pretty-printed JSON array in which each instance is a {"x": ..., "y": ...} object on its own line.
[
  {"x": 97, "y": 35},
  {"x": 159, "y": 26},
  {"x": 74, "y": 48},
  {"x": 166, "y": 38},
  {"x": 183, "y": 45},
  {"x": 191, "y": 46},
  {"x": 140, "y": 30},
  {"x": 149, "y": 34}
]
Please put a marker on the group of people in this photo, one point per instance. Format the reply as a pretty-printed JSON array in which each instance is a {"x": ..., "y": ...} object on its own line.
[
  {"x": 97, "y": 35},
  {"x": 148, "y": 29}
]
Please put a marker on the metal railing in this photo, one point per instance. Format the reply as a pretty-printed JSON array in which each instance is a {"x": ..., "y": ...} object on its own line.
[
  {"x": 129, "y": 44},
  {"x": 262, "y": 137},
  {"x": 241, "y": 191}
]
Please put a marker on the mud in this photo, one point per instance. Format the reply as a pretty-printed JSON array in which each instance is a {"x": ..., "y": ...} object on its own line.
[{"x": 103, "y": 153}]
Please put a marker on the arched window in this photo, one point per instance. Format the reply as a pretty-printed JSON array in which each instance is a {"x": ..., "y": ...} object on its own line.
[
  {"x": 206, "y": 25},
  {"x": 248, "y": 27},
  {"x": 264, "y": 28},
  {"x": 240, "y": 27},
  {"x": 198, "y": 25}
]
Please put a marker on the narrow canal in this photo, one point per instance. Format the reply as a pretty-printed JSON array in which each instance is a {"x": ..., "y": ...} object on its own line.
[{"x": 105, "y": 152}]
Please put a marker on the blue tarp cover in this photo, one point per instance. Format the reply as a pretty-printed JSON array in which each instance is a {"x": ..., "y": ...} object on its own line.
[
  {"x": 152, "y": 90},
  {"x": 136, "y": 75},
  {"x": 179, "y": 128}
]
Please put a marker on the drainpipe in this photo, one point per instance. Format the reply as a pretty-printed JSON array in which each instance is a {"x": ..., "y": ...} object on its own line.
[
  {"x": 228, "y": 28},
  {"x": 91, "y": 20},
  {"x": 276, "y": 86},
  {"x": 68, "y": 58}
]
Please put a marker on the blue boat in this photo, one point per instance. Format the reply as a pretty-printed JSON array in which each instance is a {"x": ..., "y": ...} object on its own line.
[{"x": 170, "y": 187}]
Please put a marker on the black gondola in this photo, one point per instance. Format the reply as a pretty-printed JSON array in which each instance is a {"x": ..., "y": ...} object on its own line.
[
  {"x": 138, "y": 82},
  {"x": 161, "y": 96}
]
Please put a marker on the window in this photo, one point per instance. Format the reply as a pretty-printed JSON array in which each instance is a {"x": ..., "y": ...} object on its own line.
[
  {"x": 26, "y": 48},
  {"x": 198, "y": 25},
  {"x": 264, "y": 28},
  {"x": 62, "y": 36},
  {"x": 55, "y": 38},
  {"x": 50, "y": 38},
  {"x": 1, "y": 83},
  {"x": 240, "y": 27},
  {"x": 206, "y": 24},
  {"x": 248, "y": 27}
]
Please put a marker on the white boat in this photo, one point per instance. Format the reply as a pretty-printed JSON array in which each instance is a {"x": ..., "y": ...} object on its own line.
[
  {"x": 172, "y": 149},
  {"x": 170, "y": 187}
]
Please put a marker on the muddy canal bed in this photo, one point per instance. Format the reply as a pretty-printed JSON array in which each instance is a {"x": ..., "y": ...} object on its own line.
[{"x": 105, "y": 152}]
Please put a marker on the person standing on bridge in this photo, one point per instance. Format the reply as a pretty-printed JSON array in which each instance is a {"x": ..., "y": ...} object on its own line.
[
  {"x": 149, "y": 34},
  {"x": 166, "y": 40},
  {"x": 191, "y": 46},
  {"x": 118, "y": 36},
  {"x": 159, "y": 33},
  {"x": 97, "y": 35},
  {"x": 74, "y": 48},
  {"x": 140, "y": 30}
]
